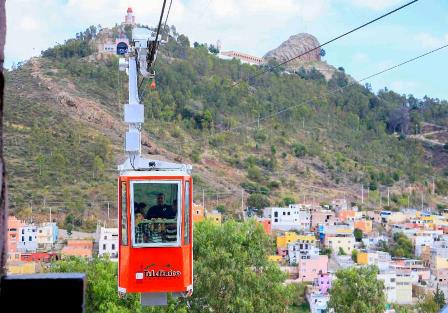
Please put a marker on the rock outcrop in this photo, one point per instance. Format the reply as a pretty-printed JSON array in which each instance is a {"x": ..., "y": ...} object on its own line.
[{"x": 294, "y": 46}]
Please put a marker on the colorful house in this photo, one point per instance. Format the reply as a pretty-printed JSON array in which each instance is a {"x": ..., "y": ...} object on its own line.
[
  {"x": 214, "y": 216},
  {"x": 266, "y": 223},
  {"x": 364, "y": 225},
  {"x": 47, "y": 235},
  {"x": 323, "y": 282},
  {"x": 108, "y": 242},
  {"x": 80, "y": 248},
  {"x": 28, "y": 239},
  {"x": 287, "y": 237},
  {"x": 14, "y": 227},
  {"x": 310, "y": 267},
  {"x": 198, "y": 213}
]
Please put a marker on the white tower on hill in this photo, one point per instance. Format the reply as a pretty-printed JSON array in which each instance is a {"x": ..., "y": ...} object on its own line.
[{"x": 129, "y": 19}]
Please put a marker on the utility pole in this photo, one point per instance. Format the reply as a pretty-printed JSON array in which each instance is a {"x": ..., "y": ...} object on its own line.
[
  {"x": 203, "y": 199},
  {"x": 388, "y": 197},
  {"x": 50, "y": 215},
  {"x": 422, "y": 200},
  {"x": 108, "y": 208},
  {"x": 362, "y": 194},
  {"x": 433, "y": 186}
]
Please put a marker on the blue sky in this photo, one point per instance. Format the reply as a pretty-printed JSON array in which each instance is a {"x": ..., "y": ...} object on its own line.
[{"x": 256, "y": 26}]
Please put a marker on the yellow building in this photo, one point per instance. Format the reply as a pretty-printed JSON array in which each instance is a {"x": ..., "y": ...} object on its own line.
[
  {"x": 22, "y": 268},
  {"x": 438, "y": 262},
  {"x": 362, "y": 258},
  {"x": 289, "y": 237},
  {"x": 337, "y": 242},
  {"x": 214, "y": 216}
]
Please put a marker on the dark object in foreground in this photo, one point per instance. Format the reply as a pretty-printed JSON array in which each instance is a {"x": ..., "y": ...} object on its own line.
[{"x": 53, "y": 292}]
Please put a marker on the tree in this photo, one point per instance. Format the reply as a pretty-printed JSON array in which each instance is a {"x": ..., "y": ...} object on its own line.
[
  {"x": 427, "y": 304},
  {"x": 355, "y": 255},
  {"x": 232, "y": 272},
  {"x": 357, "y": 290},
  {"x": 101, "y": 292},
  {"x": 258, "y": 200},
  {"x": 439, "y": 297},
  {"x": 358, "y": 234},
  {"x": 341, "y": 251}
]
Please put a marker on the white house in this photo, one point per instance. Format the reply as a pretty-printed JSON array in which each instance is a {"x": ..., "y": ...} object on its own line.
[
  {"x": 318, "y": 302},
  {"x": 47, "y": 235},
  {"x": 108, "y": 242},
  {"x": 28, "y": 239},
  {"x": 294, "y": 217},
  {"x": 298, "y": 249},
  {"x": 397, "y": 287}
]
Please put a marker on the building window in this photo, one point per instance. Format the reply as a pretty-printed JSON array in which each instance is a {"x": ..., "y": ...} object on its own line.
[
  {"x": 276, "y": 220},
  {"x": 105, "y": 237},
  {"x": 113, "y": 246},
  {"x": 30, "y": 238},
  {"x": 104, "y": 246},
  {"x": 275, "y": 214},
  {"x": 284, "y": 213}
]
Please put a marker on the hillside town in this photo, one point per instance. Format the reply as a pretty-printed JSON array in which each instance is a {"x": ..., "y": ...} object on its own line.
[{"x": 312, "y": 242}]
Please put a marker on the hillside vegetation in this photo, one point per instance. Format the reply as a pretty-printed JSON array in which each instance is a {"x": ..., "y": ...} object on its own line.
[{"x": 64, "y": 132}]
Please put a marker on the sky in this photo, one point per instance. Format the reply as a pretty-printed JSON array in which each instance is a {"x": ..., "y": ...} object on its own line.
[{"x": 257, "y": 26}]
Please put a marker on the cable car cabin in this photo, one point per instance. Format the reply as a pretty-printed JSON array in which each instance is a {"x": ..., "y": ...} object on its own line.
[{"x": 155, "y": 251}]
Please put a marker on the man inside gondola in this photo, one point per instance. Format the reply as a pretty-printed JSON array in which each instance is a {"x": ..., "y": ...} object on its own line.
[{"x": 161, "y": 210}]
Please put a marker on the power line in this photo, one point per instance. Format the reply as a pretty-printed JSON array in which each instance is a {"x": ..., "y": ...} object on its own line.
[
  {"x": 403, "y": 63},
  {"x": 330, "y": 41}
]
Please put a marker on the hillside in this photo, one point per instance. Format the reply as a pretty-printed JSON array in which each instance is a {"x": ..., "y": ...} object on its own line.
[{"x": 64, "y": 133}]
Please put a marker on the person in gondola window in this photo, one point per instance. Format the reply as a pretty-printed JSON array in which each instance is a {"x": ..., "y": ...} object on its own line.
[{"x": 161, "y": 210}]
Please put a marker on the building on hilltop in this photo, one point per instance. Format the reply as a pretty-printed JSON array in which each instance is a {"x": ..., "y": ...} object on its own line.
[
  {"x": 129, "y": 18},
  {"x": 243, "y": 57}
]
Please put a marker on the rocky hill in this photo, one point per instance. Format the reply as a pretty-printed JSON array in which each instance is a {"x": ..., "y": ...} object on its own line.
[
  {"x": 296, "y": 45},
  {"x": 64, "y": 134}
]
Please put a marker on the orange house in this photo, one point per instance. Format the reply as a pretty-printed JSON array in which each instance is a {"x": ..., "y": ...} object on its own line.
[
  {"x": 14, "y": 226},
  {"x": 82, "y": 248},
  {"x": 266, "y": 223},
  {"x": 364, "y": 225},
  {"x": 347, "y": 215},
  {"x": 198, "y": 212}
]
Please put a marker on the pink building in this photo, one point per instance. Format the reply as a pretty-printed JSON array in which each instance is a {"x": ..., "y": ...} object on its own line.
[
  {"x": 311, "y": 267},
  {"x": 14, "y": 226},
  {"x": 323, "y": 282},
  {"x": 442, "y": 276}
]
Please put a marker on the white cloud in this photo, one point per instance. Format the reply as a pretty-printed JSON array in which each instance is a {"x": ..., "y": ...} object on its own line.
[
  {"x": 376, "y": 4},
  {"x": 430, "y": 41},
  {"x": 246, "y": 25}
]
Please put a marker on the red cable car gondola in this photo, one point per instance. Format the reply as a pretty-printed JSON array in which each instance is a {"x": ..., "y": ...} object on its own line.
[{"x": 155, "y": 255}]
